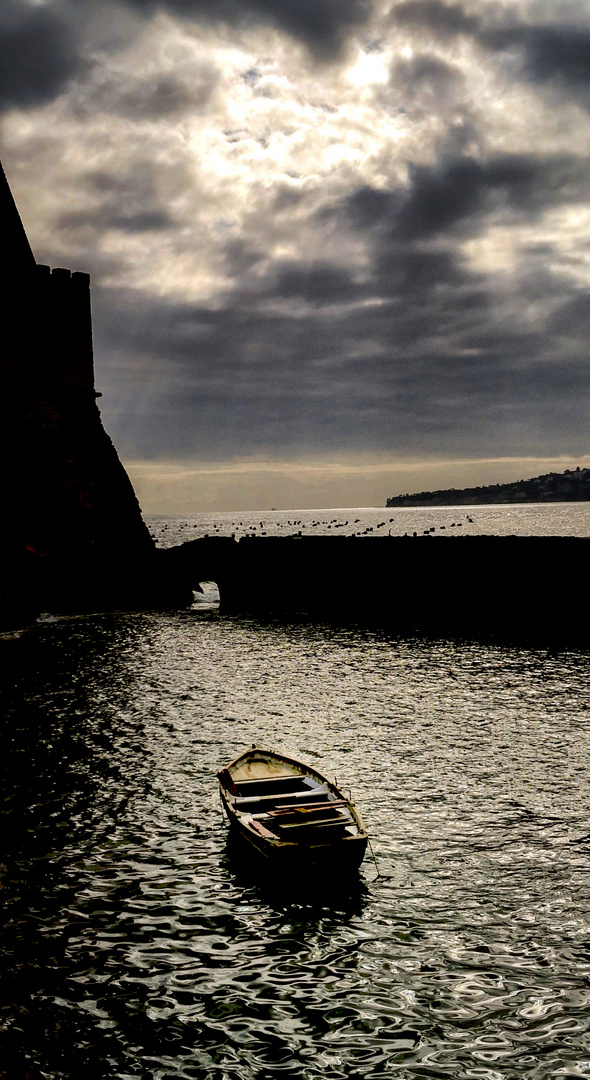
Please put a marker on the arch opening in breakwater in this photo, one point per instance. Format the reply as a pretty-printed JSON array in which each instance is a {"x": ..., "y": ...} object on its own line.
[{"x": 502, "y": 586}]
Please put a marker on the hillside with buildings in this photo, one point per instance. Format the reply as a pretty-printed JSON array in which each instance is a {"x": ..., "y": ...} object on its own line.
[{"x": 573, "y": 485}]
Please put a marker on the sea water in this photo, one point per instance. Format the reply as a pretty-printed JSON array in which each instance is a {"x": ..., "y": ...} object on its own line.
[
  {"x": 531, "y": 519},
  {"x": 135, "y": 946}
]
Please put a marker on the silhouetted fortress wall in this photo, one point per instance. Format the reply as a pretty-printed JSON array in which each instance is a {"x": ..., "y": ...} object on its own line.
[
  {"x": 73, "y": 536},
  {"x": 70, "y": 489},
  {"x": 46, "y": 341},
  {"x": 501, "y": 587}
]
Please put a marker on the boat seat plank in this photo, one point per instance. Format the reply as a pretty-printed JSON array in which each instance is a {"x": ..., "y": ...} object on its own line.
[
  {"x": 247, "y": 800},
  {"x": 268, "y": 779},
  {"x": 274, "y": 785},
  {"x": 319, "y": 804},
  {"x": 313, "y": 823}
]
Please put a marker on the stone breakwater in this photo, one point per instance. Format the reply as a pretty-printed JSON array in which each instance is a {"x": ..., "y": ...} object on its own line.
[{"x": 504, "y": 587}]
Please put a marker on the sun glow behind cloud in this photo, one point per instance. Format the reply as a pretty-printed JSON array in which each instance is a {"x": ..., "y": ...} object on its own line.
[{"x": 267, "y": 130}]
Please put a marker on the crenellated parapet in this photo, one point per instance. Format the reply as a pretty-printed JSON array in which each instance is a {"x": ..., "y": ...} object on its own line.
[{"x": 46, "y": 340}]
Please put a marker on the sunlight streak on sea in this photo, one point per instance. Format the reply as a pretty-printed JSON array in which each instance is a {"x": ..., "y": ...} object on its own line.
[{"x": 531, "y": 519}]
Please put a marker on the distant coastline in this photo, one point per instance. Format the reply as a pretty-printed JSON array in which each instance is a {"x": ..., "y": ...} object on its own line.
[{"x": 573, "y": 485}]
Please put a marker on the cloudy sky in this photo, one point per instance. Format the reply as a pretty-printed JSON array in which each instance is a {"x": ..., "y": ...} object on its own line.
[{"x": 340, "y": 249}]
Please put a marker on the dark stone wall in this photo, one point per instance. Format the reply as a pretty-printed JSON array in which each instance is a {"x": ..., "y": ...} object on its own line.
[{"x": 73, "y": 537}]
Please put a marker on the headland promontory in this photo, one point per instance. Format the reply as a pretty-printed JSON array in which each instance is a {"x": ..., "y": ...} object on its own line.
[{"x": 572, "y": 485}]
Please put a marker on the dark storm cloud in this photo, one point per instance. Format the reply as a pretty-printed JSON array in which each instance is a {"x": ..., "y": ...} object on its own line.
[
  {"x": 240, "y": 256},
  {"x": 318, "y": 284},
  {"x": 241, "y": 382},
  {"x": 399, "y": 354},
  {"x": 110, "y": 218},
  {"x": 125, "y": 200},
  {"x": 38, "y": 56},
  {"x": 434, "y": 352},
  {"x": 561, "y": 53},
  {"x": 573, "y": 318},
  {"x": 403, "y": 270},
  {"x": 436, "y": 200},
  {"x": 453, "y": 195},
  {"x": 551, "y": 52},
  {"x": 442, "y": 20},
  {"x": 558, "y": 56},
  {"x": 441, "y": 199},
  {"x": 41, "y": 51},
  {"x": 155, "y": 98},
  {"x": 457, "y": 354},
  {"x": 425, "y": 71},
  {"x": 323, "y": 25}
]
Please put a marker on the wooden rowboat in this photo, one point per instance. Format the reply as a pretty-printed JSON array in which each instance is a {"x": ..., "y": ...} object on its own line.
[{"x": 289, "y": 813}]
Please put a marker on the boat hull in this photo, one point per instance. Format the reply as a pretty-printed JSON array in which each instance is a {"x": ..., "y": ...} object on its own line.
[
  {"x": 344, "y": 857},
  {"x": 303, "y": 842}
]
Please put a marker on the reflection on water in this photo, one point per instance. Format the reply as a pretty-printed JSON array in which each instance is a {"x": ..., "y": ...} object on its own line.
[
  {"x": 135, "y": 947},
  {"x": 295, "y": 890}
]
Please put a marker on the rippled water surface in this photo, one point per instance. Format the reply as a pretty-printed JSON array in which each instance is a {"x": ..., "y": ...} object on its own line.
[
  {"x": 529, "y": 519},
  {"x": 136, "y": 947}
]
